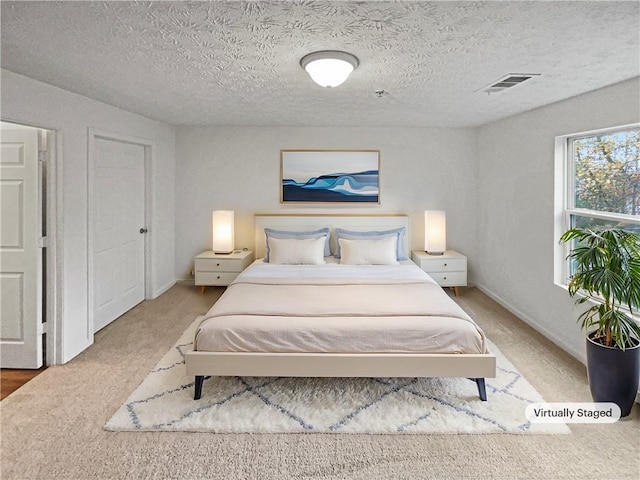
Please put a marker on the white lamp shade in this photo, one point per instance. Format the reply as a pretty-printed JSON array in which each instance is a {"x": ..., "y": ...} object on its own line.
[
  {"x": 222, "y": 228},
  {"x": 329, "y": 68},
  {"x": 435, "y": 231}
]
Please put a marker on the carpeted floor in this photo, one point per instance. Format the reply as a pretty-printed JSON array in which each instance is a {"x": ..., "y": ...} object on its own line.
[{"x": 52, "y": 427}]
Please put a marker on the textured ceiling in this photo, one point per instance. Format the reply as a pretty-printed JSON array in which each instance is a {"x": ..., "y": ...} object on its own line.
[{"x": 237, "y": 63}]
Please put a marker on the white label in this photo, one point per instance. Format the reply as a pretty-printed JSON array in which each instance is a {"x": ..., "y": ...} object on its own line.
[{"x": 602, "y": 412}]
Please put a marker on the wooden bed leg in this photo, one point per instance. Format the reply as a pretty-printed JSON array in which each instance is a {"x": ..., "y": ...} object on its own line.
[
  {"x": 482, "y": 390},
  {"x": 198, "y": 387}
]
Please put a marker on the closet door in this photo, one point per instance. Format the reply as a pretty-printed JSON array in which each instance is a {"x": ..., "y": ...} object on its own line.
[{"x": 117, "y": 220}]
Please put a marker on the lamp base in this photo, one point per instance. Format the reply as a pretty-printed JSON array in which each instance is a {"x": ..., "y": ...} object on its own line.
[
  {"x": 434, "y": 253},
  {"x": 223, "y": 253}
]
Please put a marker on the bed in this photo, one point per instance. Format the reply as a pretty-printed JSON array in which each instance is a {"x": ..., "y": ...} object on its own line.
[{"x": 330, "y": 317}]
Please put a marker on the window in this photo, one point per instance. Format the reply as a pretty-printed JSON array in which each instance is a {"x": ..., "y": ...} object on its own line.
[
  {"x": 604, "y": 175},
  {"x": 600, "y": 176}
]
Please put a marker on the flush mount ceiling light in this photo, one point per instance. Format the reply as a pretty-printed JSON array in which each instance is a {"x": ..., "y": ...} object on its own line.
[{"x": 329, "y": 68}]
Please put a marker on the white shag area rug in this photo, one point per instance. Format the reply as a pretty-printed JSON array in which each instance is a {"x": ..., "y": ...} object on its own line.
[{"x": 164, "y": 402}]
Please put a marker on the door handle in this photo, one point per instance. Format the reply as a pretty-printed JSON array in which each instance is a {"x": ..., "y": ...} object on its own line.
[{"x": 143, "y": 230}]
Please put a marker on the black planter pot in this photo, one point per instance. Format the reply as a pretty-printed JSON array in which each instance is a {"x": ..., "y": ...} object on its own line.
[{"x": 613, "y": 374}]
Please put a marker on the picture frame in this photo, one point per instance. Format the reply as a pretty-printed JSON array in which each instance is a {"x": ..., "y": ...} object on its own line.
[{"x": 330, "y": 176}]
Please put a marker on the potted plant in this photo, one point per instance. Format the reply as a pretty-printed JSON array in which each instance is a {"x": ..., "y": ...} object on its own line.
[{"x": 606, "y": 267}]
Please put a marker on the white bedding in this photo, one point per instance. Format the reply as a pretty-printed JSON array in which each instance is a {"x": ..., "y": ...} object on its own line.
[
  {"x": 338, "y": 309},
  {"x": 405, "y": 272}
]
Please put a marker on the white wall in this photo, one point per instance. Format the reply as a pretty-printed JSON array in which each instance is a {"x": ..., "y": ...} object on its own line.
[
  {"x": 239, "y": 169},
  {"x": 31, "y": 102},
  {"x": 515, "y": 249}
]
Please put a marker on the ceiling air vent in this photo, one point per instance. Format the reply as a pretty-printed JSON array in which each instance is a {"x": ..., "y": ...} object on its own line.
[{"x": 508, "y": 81}]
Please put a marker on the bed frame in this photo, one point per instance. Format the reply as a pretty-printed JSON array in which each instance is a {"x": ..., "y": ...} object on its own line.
[{"x": 201, "y": 365}]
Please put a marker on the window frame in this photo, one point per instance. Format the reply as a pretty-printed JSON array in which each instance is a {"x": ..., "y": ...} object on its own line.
[{"x": 565, "y": 197}]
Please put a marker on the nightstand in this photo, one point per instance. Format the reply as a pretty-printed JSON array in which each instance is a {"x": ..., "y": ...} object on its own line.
[
  {"x": 448, "y": 269},
  {"x": 219, "y": 270}
]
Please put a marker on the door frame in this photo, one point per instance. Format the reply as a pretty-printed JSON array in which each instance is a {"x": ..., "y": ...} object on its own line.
[
  {"x": 149, "y": 148},
  {"x": 52, "y": 293}
]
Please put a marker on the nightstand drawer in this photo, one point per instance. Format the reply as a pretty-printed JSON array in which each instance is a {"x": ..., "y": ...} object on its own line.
[
  {"x": 215, "y": 278},
  {"x": 448, "y": 269},
  {"x": 450, "y": 279},
  {"x": 220, "y": 270},
  {"x": 218, "y": 265},
  {"x": 444, "y": 265}
]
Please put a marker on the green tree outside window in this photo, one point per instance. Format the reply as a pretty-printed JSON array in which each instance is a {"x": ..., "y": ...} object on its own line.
[{"x": 607, "y": 172}]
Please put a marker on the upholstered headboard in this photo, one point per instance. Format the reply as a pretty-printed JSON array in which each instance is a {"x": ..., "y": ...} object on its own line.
[{"x": 303, "y": 222}]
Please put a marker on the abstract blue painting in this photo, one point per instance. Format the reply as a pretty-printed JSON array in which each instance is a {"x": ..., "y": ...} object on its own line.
[{"x": 311, "y": 176}]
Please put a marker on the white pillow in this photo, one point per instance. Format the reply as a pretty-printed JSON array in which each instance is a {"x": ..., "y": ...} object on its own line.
[
  {"x": 399, "y": 232},
  {"x": 272, "y": 232},
  {"x": 296, "y": 251},
  {"x": 369, "y": 252}
]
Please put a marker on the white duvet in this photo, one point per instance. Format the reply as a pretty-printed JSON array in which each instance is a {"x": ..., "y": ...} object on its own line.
[{"x": 339, "y": 309}]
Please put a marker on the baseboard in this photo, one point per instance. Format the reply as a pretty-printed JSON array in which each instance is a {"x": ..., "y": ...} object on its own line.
[
  {"x": 190, "y": 282},
  {"x": 543, "y": 331},
  {"x": 537, "y": 327},
  {"x": 163, "y": 289}
]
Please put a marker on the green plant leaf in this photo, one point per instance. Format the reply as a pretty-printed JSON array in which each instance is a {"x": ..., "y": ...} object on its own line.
[{"x": 607, "y": 265}]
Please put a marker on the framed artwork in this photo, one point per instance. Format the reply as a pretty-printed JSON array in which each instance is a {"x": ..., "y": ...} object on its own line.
[{"x": 329, "y": 176}]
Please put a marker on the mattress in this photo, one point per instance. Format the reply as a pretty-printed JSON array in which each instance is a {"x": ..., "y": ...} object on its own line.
[{"x": 336, "y": 308}]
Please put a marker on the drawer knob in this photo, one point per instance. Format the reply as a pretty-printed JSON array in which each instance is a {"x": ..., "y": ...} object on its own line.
[
  {"x": 445, "y": 278},
  {"x": 217, "y": 264},
  {"x": 445, "y": 264},
  {"x": 218, "y": 277}
]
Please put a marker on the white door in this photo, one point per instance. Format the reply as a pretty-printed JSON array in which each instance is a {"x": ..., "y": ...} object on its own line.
[
  {"x": 116, "y": 219},
  {"x": 20, "y": 256}
]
